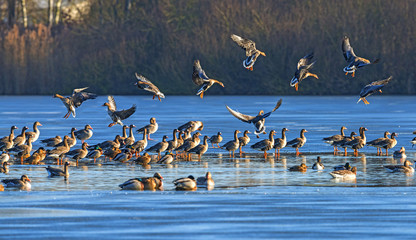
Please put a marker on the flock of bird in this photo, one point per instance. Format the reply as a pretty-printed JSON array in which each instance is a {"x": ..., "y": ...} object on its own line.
[{"x": 185, "y": 142}]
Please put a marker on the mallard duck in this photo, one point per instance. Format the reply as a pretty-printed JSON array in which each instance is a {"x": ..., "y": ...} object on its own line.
[
  {"x": 8, "y": 141},
  {"x": 333, "y": 138},
  {"x": 56, "y": 172},
  {"x": 35, "y": 134},
  {"x": 185, "y": 184},
  {"x": 205, "y": 181},
  {"x": 23, "y": 183},
  {"x": 280, "y": 143},
  {"x": 146, "y": 183},
  {"x": 167, "y": 159},
  {"x": 60, "y": 151},
  {"x": 159, "y": 147},
  {"x": 144, "y": 159},
  {"x": 145, "y": 84},
  {"x": 232, "y": 145},
  {"x": 85, "y": 133},
  {"x": 251, "y": 52},
  {"x": 75, "y": 100},
  {"x": 406, "y": 168},
  {"x": 201, "y": 79},
  {"x": 192, "y": 126},
  {"x": 244, "y": 140},
  {"x": 216, "y": 139},
  {"x": 376, "y": 142},
  {"x": 347, "y": 166},
  {"x": 140, "y": 145},
  {"x": 358, "y": 142},
  {"x": 342, "y": 143},
  {"x": 266, "y": 144},
  {"x": 117, "y": 115},
  {"x": 258, "y": 120},
  {"x": 4, "y": 167},
  {"x": 95, "y": 154},
  {"x": 124, "y": 156},
  {"x": 298, "y": 142},
  {"x": 345, "y": 174},
  {"x": 112, "y": 153},
  {"x": 52, "y": 142},
  {"x": 371, "y": 88},
  {"x": 389, "y": 142},
  {"x": 200, "y": 149},
  {"x": 151, "y": 128},
  {"x": 354, "y": 62},
  {"x": 413, "y": 141},
  {"x": 301, "y": 168},
  {"x": 173, "y": 144},
  {"x": 79, "y": 154},
  {"x": 305, "y": 64},
  {"x": 21, "y": 139},
  {"x": 401, "y": 153},
  {"x": 318, "y": 165}
]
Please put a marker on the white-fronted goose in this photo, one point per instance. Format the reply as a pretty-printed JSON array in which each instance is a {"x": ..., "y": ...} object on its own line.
[
  {"x": 266, "y": 144},
  {"x": 251, "y": 52},
  {"x": 376, "y": 142},
  {"x": 145, "y": 84},
  {"x": 318, "y": 165},
  {"x": 280, "y": 143},
  {"x": 258, "y": 120},
  {"x": 333, "y": 138},
  {"x": 23, "y": 183},
  {"x": 216, "y": 139},
  {"x": 57, "y": 172},
  {"x": 185, "y": 184},
  {"x": 244, "y": 140},
  {"x": 85, "y": 133},
  {"x": 371, "y": 88},
  {"x": 301, "y": 168},
  {"x": 353, "y": 61},
  {"x": 200, "y": 149},
  {"x": 151, "y": 128},
  {"x": 146, "y": 183},
  {"x": 205, "y": 181},
  {"x": 201, "y": 79},
  {"x": 358, "y": 142},
  {"x": 401, "y": 153},
  {"x": 117, "y": 115},
  {"x": 232, "y": 145},
  {"x": 298, "y": 142},
  {"x": 52, "y": 142},
  {"x": 35, "y": 134},
  {"x": 406, "y": 168},
  {"x": 305, "y": 64},
  {"x": 75, "y": 100},
  {"x": 345, "y": 174},
  {"x": 159, "y": 147}
]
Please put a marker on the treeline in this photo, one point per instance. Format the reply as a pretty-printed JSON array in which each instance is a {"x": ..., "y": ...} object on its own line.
[{"x": 103, "y": 47}]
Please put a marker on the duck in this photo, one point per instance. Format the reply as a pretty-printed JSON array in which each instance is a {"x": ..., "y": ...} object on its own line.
[
  {"x": 151, "y": 128},
  {"x": 117, "y": 115},
  {"x": 95, "y": 153},
  {"x": 144, "y": 159},
  {"x": 342, "y": 143},
  {"x": 337, "y": 137},
  {"x": 305, "y": 64},
  {"x": 112, "y": 152},
  {"x": 37, "y": 157},
  {"x": 131, "y": 139},
  {"x": 400, "y": 153},
  {"x": 84, "y": 134},
  {"x": 233, "y": 145},
  {"x": 358, "y": 142},
  {"x": 301, "y": 168},
  {"x": 201, "y": 79},
  {"x": 258, "y": 120},
  {"x": 159, "y": 147},
  {"x": 79, "y": 154},
  {"x": 280, "y": 143},
  {"x": 266, "y": 144},
  {"x": 4, "y": 167},
  {"x": 21, "y": 139},
  {"x": 145, "y": 84},
  {"x": 189, "y": 144},
  {"x": 4, "y": 157},
  {"x": 413, "y": 142},
  {"x": 244, "y": 140},
  {"x": 298, "y": 142},
  {"x": 318, "y": 165},
  {"x": 347, "y": 166},
  {"x": 371, "y": 88},
  {"x": 192, "y": 126},
  {"x": 52, "y": 142},
  {"x": 36, "y": 133},
  {"x": 406, "y": 168},
  {"x": 109, "y": 143},
  {"x": 146, "y": 183},
  {"x": 251, "y": 52},
  {"x": 57, "y": 172},
  {"x": 185, "y": 184},
  {"x": 167, "y": 159},
  {"x": 75, "y": 100},
  {"x": 345, "y": 174},
  {"x": 140, "y": 145},
  {"x": 389, "y": 142},
  {"x": 205, "y": 181},
  {"x": 7, "y": 141},
  {"x": 59, "y": 151},
  {"x": 173, "y": 144},
  {"x": 376, "y": 142},
  {"x": 200, "y": 149},
  {"x": 353, "y": 61},
  {"x": 23, "y": 151},
  {"x": 124, "y": 156},
  {"x": 22, "y": 184},
  {"x": 216, "y": 139}
]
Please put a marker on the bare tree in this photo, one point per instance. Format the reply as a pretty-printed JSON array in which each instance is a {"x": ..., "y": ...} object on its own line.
[
  {"x": 58, "y": 11},
  {"x": 50, "y": 13},
  {"x": 24, "y": 13}
]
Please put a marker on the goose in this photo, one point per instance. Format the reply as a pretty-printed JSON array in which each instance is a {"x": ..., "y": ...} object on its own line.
[
  {"x": 151, "y": 128},
  {"x": 85, "y": 133},
  {"x": 358, "y": 142},
  {"x": 298, "y": 142},
  {"x": 23, "y": 183},
  {"x": 159, "y": 147},
  {"x": 57, "y": 172},
  {"x": 232, "y": 145},
  {"x": 200, "y": 149},
  {"x": 146, "y": 183},
  {"x": 117, "y": 115},
  {"x": 244, "y": 140},
  {"x": 192, "y": 126},
  {"x": 371, "y": 88},
  {"x": 201, "y": 79},
  {"x": 35, "y": 134},
  {"x": 216, "y": 139},
  {"x": 266, "y": 144},
  {"x": 337, "y": 137},
  {"x": 280, "y": 143},
  {"x": 145, "y": 84},
  {"x": 251, "y": 52},
  {"x": 205, "y": 181},
  {"x": 353, "y": 61},
  {"x": 401, "y": 153},
  {"x": 75, "y": 100},
  {"x": 305, "y": 64},
  {"x": 140, "y": 145},
  {"x": 376, "y": 142},
  {"x": 406, "y": 168},
  {"x": 52, "y": 142}
]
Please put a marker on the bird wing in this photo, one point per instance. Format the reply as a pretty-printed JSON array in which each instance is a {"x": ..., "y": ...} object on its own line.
[
  {"x": 278, "y": 104},
  {"x": 112, "y": 103},
  {"x": 381, "y": 82},
  {"x": 125, "y": 113},
  {"x": 198, "y": 75},
  {"x": 348, "y": 51},
  {"x": 80, "y": 97},
  {"x": 186, "y": 126},
  {"x": 78, "y": 90},
  {"x": 245, "y": 43},
  {"x": 240, "y": 116},
  {"x": 142, "y": 78},
  {"x": 306, "y": 60},
  {"x": 147, "y": 85}
]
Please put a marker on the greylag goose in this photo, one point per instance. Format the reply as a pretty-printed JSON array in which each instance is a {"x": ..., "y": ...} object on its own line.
[
  {"x": 185, "y": 184},
  {"x": 151, "y": 128},
  {"x": 341, "y": 143},
  {"x": 371, "y": 88},
  {"x": 205, "y": 181},
  {"x": 244, "y": 140},
  {"x": 232, "y": 145},
  {"x": 8, "y": 141},
  {"x": 21, "y": 139},
  {"x": 318, "y": 165},
  {"x": 79, "y": 154},
  {"x": 216, "y": 139},
  {"x": 131, "y": 139},
  {"x": 59, "y": 151},
  {"x": 376, "y": 142},
  {"x": 301, "y": 168},
  {"x": 345, "y": 174},
  {"x": 401, "y": 153},
  {"x": 298, "y": 142},
  {"x": 173, "y": 144},
  {"x": 406, "y": 168},
  {"x": 23, "y": 183},
  {"x": 358, "y": 142},
  {"x": 251, "y": 52},
  {"x": 389, "y": 143},
  {"x": 57, "y": 172},
  {"x": 280, "y": 143},
  {"x": 145, "y": 84},
  {"x": 189, "y": 144},
  {"x": 201, "y": 79},
  {"x": 140, "y": 145},
  {"x": 200, "y": 149},
  {"x": 72, "y": 140},
  {"x": 117, "y": 115},
  {"x": 85, "y": 133},
  {"x": 23, "y": 151},
  {"x": 52, "y": 142},
  {"x": 258, "y": 120},
  {"x": 35, "y": 134},
  {"x": 75, "y": 100},
  {"x": 353, "y": 61},
  {"x": 146, "y": 183},
  {"x": 333, "y": 138},
  {"x": 266, "y": 144},
  {"x": 159, "y": 147},
  {"x": 167, "y": 159},
  {"x": 305, "y": 64},
  {"x": 109, "y": 144},
  {"x": 124, "y": 132}
]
